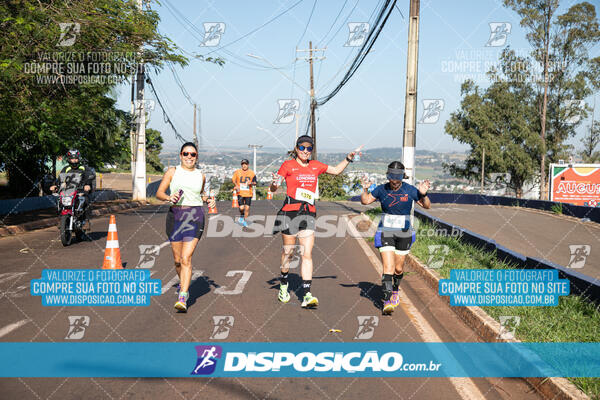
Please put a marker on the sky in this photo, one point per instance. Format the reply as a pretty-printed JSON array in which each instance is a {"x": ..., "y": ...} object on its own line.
[{"x": 239, "y": 102}]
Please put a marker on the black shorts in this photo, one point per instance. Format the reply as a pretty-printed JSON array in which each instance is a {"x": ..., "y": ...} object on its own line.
[
  {"x": 185, "y": 223},
  {"x": 292, "y": 222},
  {"x": 400, "y": 240},
  {"x": 245, "y": 201}
]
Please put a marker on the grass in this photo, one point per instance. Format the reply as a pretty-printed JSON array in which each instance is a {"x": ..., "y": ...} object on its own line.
[
  {"x": 573, "y": 320},
  {"x": 557, "y": 208}
]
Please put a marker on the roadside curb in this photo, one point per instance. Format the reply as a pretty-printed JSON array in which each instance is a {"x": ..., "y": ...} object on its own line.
[
  {"x": 489, "y": 330},
  {"x": 11, "y": 230}
]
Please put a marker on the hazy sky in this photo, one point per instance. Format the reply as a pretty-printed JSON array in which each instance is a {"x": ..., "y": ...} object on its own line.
[{"x": 243, "y": 94}]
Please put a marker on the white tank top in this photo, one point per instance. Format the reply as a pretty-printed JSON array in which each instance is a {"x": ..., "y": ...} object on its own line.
[{"x": 191, "y": 184}]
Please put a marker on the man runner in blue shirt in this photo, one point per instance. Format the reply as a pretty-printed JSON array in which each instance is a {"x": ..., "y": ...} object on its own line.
[{"x": 394, "y": 235}]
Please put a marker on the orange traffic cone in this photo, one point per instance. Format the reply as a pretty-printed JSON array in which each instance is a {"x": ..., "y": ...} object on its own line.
[
  {"x": 112, "y": 254},
  {"x": 234, "y": 202},
  {"x": 269, "y": 195},
  {"x": 212, "y": 210}
]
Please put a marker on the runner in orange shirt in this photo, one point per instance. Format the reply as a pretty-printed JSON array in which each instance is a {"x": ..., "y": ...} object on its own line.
[{"x": 244, "y": 179}]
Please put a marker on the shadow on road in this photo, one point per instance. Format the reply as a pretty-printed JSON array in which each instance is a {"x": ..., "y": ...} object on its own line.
[
  {"x": 368, "y": 290},
  {"x": 199, "y": 288}
]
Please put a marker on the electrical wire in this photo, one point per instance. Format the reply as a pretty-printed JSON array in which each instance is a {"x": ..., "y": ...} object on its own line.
[
  {"x": 307, "y": 23},
  {"x": 165, "y": 115}
]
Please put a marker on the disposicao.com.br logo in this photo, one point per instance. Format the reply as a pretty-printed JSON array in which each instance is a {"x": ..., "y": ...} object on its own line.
[{"x": 311, "y": 363}]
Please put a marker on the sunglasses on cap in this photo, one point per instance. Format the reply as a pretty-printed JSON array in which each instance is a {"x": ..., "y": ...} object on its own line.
[
  {"x": 307, "y": 148},
  {"x": 185, "y": 154}
]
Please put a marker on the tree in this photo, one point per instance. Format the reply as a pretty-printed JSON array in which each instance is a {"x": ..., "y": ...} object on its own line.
[
  {"x": 42, "y": 113},
  {"x": 330, "y": 186},
  {"x": 560, "y": 46},
  {"x": 590, "y": 142},
  {"x": 501, "y": 120}
]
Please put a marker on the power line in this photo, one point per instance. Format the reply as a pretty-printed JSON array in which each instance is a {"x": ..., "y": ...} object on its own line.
[
  {"x": 343, "y": 23},
  {"x": 380, "y": 22},
  {"x": 165, "y": 115},
  {"x": 307, "y": 23},
  {"x": 334, "y": 21},
  {"x": 256, "y": 29}
]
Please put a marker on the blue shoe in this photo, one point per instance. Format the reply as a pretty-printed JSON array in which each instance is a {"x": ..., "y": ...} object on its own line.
[{"x": 244, "y": 223}]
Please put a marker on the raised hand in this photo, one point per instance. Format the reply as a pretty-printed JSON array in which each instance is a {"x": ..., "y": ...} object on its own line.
[{"x": 423, "y": 186}]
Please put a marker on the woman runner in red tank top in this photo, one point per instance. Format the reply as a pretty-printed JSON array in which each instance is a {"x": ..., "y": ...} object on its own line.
[{"x": 297, "y": 216}]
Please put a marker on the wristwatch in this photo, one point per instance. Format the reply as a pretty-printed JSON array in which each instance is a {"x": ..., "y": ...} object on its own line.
[{"x": 349, "y": 159}]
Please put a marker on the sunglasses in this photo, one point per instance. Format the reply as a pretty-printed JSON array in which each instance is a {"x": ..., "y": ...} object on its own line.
[
  {"x": 185, "y": 154},
  {"x": 308, "y": 148}
]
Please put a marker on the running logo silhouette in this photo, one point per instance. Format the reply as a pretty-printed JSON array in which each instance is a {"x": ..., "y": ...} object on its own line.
[
  {"x": 432, "y": 109},
  {"x": 68, "y": 33},
  {"x": 508, "y": 326},
  {"x": 357, "y": 35},
  {"x": 437, "y": 255},
  {"x": 213, "y": 31},
  {"x": 579, "y": 254},
  {"x": 77, "y": 325},
  {"x": 366, "y": 326},
  {"x": 148, "y": 255},
  {"x": 223, "y": 324},
  {"x": 207, "y": 359},
  {"x": 288, "y": 108},
  {"x": 499, "y": 32}
]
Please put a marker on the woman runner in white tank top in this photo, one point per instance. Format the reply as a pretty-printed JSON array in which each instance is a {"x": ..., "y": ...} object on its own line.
[{"x": 185, "y": 219}]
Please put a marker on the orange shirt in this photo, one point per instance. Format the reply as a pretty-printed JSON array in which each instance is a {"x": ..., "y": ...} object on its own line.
[{"x": 243, "y": 179}]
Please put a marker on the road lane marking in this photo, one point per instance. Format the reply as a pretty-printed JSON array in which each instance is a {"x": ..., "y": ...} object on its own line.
[
  {"x": 9, "y": 328},
  {"x": 465, "y": 387},
  {"x": 195, "y": 275}
]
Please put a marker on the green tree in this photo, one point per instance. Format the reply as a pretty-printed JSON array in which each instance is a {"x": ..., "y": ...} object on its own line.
[
  {"x": 501, "y": 119},
  {"x": 40, "y": 119},
  {"x": 330, "y": 186},
  {"x": 590, "y": 142},
  {"x": 560, "y": 47}
]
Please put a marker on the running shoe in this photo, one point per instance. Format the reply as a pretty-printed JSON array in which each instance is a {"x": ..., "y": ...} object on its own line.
[
  {"x": 395, "y": 299},
  {"x": 283, "y": 295},
  {"x": 244, "y": 223},
  {"x": 388, "y": 307},
  {"x": 309, "y": 301},
  {"x": 181, "y": 304},
  {"x": 240, "y": 221}
]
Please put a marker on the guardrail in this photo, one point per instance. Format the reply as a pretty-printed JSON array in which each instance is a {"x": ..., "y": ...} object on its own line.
[
  {"x": 581, "y": 284},
  {"x": 17, "y": 206},
  {"x": 593, "y": 213}
]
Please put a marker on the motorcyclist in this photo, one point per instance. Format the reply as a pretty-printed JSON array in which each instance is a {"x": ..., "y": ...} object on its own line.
[{"x": 88, "y": 175}]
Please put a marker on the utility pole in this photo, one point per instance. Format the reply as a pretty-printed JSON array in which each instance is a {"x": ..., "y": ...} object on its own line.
[
  {"x": 410, "y": 104},
  {"x": 313, "y": 103},
  {"x": 482, "y": 168},
  {"x": 132, "y": 131},
  {"x": 254, "y": 146},
  {"x": 139, "y": 171}
]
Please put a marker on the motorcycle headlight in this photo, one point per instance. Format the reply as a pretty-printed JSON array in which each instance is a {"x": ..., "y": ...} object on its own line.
[{"x": 66, "y": 201}]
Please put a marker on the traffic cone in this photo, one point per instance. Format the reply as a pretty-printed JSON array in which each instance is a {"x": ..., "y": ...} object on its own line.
[
  {"x": 112, "y": 254},
  {"x": 269, "y": 195},
  {"x": 234, "y": 202},
  {"x": 212, "y": 210}
]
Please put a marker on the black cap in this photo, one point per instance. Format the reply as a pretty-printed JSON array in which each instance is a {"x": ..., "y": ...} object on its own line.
[
  {"x": 244, "y": 161},
  {"x": 305, "y": 139}
]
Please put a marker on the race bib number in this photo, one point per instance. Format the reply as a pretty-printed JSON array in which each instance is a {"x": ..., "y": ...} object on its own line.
[
  {"x": 394, "y": 221},
  {"x": 244, "y": 186},
  {"x": 305, "y": 195}
]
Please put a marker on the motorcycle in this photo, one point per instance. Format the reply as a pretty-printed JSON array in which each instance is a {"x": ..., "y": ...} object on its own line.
[{"x": 71, "y": 209}]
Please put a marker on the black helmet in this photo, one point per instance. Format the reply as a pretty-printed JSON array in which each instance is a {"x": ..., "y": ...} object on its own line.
[{"x": 73, "y": 153}]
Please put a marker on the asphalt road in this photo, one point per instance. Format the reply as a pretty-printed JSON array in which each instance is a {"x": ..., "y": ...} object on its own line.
[
  {"x": 529, "y": 232},
  {"x": 234, "y": 278}
]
